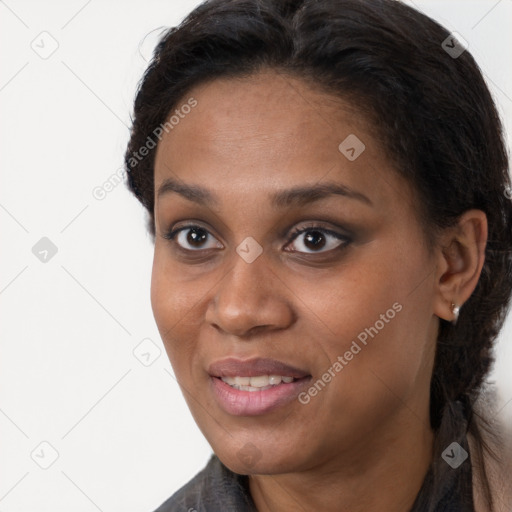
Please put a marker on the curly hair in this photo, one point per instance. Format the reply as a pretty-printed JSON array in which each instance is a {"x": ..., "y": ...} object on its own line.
[{"x": 432, "y": 112}]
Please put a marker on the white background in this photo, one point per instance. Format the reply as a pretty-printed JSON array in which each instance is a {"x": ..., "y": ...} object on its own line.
[{"x": 68, "y": 374}]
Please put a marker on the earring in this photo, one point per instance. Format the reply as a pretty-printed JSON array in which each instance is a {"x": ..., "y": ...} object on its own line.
[{"x": 455, "y": 311}]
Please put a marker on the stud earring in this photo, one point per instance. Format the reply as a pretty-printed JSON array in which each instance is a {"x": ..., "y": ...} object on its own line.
[{"x": 455, "y": 311}]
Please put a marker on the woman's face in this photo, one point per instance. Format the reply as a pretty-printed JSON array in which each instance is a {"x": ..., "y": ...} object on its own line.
[{"x": 344, "y": 306}]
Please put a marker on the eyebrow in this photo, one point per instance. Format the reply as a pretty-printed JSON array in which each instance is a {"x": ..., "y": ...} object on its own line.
[{"x": 296, "y": 196}]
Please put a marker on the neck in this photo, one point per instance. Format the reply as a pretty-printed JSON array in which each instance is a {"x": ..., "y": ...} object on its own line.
[{"x": 384, "y": 474}]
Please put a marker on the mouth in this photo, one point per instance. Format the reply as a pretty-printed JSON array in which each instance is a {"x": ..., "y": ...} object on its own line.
[{"x": 255, "y": 386}]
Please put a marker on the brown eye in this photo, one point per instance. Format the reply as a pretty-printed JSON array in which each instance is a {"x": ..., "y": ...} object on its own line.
[
  {"x": 194, "y": 238},
  {"x": 312, "y": 240}
]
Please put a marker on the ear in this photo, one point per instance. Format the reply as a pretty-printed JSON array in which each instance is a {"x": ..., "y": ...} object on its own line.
[{"x": 460, "y": 258}]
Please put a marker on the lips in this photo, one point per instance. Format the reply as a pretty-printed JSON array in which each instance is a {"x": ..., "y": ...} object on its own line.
[
  {"x": 227, "y": 378},
  {"x": 233, "y": 367}
]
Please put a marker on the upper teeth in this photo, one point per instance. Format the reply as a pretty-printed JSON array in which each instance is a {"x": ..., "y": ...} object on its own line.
[{"x": 259, "y": 382}]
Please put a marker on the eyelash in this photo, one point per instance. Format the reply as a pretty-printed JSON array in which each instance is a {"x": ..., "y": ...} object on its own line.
[{"x": 296, "y": 232}]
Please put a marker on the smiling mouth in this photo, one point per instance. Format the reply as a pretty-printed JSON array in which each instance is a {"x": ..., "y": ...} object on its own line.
[
  {"x": 259, "y": 396},
  {"x": 256, "y": 386}
]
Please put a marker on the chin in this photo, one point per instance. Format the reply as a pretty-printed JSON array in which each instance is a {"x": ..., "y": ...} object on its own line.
[
  {"x": 252, "y": 458},
  {"x": 261, "y": 467}
]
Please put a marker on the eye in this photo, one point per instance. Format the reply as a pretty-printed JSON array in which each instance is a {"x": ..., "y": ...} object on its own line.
[
  {"x": 193, "y": 238},
  {"x": 317, "y": 240}
]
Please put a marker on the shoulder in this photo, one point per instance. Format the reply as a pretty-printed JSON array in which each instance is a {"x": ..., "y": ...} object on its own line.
[
  {"x": 496, "y": 457},
  {"x": 213, "y": 489}
]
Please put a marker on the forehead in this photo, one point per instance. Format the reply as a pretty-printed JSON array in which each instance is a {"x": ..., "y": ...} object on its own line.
[{"x": 265, "y": 131}]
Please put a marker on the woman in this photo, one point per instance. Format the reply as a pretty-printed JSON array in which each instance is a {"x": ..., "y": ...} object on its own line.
[{"x": 327, "y": 190}]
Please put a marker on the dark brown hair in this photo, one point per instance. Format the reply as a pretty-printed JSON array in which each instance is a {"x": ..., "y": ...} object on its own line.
[{"x": 433, "y": 113}]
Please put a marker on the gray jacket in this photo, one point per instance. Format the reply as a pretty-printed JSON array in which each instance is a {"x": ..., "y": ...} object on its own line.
[{"x": 217, "y": 489}]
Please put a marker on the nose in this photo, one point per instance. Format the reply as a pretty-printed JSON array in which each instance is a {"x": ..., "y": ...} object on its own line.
[{"x": 251, "y": 297}]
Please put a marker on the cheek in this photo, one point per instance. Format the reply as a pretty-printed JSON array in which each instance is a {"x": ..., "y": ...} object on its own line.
[
  {"x": 366, "y": 294},
  {"x": 162, "y": 299},
  {"x": 175, "y": 306},
  {"x": 379, "y": 315}
]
